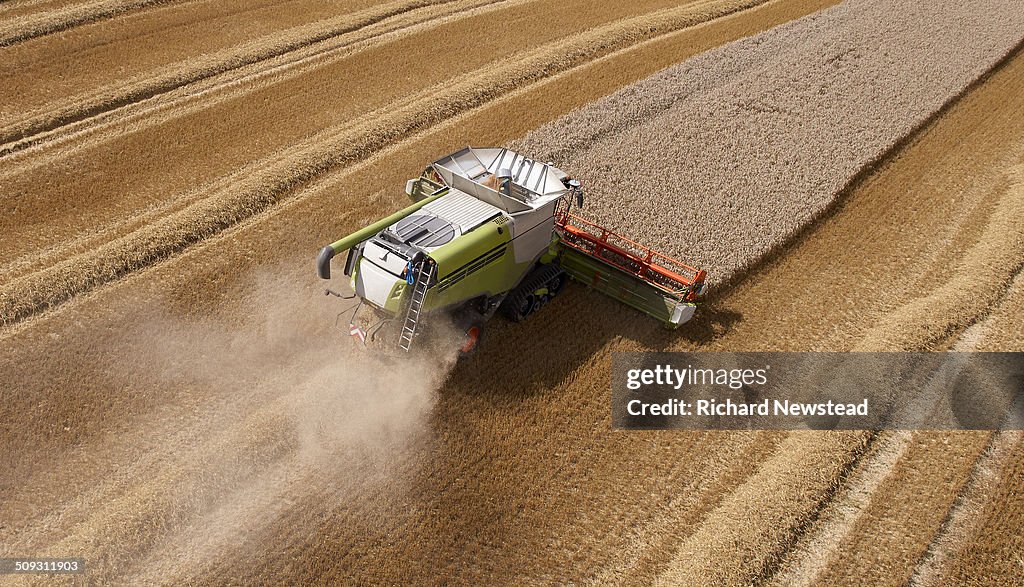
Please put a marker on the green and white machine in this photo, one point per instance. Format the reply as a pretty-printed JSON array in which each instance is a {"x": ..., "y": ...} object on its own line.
[{"x": 491, "y": 229}]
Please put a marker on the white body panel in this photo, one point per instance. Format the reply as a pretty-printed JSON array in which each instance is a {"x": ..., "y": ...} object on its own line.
[
  {"x": 531, "y": 232},
  {"x": 682, "y": 313},
  {"x": 373, "y": 283},
  {"x": 384, "y": 258}
]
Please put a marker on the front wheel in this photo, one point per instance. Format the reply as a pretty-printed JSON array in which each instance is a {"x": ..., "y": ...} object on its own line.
[{"x": 472, "y": 340}]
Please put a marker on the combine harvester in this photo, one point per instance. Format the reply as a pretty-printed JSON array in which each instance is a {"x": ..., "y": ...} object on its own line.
[{"x": 493, "y": 230}]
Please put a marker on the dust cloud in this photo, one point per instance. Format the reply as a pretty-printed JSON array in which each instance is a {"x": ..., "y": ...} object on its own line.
[{"x": 277, "y": 408}]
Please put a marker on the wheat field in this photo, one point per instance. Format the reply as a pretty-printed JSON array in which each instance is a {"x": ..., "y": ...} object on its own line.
[{"x": 845, "y": 171}]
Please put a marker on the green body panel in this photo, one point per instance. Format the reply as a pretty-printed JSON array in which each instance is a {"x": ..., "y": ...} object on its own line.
[
  {"x": 359, "y": 236},
  {"x": 553, "y": 250},
  {"x": 619, "y": 285},
  {"x": 394, "y": 303},
  {"x": 480, "y": 262},
  {"x": 461, "y": 251}
]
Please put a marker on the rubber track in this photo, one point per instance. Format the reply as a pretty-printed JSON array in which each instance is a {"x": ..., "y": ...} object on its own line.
[{"x": 532, "y": 283}]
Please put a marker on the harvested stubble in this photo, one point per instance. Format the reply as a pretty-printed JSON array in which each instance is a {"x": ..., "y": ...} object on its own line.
[
  {"x": 987, "y": 270},
  {"x": 23, "y": 25},
  {"x": 1003, "y": 329},
  {"x": 519, "y": 485},
  {"x": 52, "y": 84},
  {"x": 893, "y": 531},
  {"x": 259, "y": 185},
  {"x": 722, "y": 158},
  {"x": 992, "y": 551},
  {"x": 808, "y": 467}
]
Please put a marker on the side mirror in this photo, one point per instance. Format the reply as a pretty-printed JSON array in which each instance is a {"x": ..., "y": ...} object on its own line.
[{"x": 579, "y": 199}]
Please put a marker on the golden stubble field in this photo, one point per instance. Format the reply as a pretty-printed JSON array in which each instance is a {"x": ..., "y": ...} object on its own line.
[{"x": 167, "y": 353}]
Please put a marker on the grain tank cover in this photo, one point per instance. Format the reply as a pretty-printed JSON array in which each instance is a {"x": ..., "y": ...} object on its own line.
[
  {"x": 475, "y": 171},
  {"x": 462, "y": 210}
]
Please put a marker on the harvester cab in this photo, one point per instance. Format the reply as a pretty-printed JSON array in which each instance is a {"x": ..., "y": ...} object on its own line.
[{"x": 490, "y": 229}]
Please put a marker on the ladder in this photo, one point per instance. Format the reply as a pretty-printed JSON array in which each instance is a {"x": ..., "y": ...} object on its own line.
[{"x": 424, "y": 273}]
